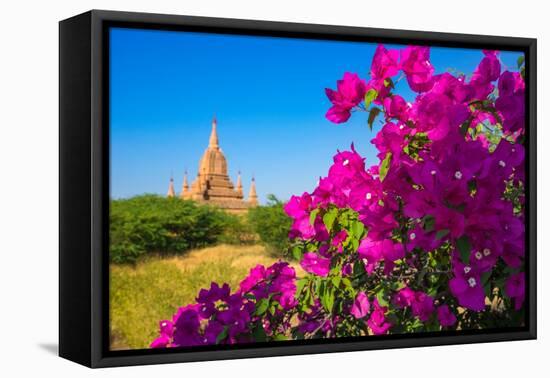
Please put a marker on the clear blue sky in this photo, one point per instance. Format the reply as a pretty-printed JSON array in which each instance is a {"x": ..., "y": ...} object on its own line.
[{"x": 267, "y": 94}]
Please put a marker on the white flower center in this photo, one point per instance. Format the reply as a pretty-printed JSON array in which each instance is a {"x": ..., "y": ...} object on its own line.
[
  {"x": 478, "y": 255},
  {"x": 413, "y": 236},
  {"x": 486, "y": 251},
  {"x": 513, "y": 150},
  {"x": 163, "y": 324},
  {"x": 314, "y": 262},
  {"x": 458, "y": 175},
  {"x": 472, "y": 282},
  {"x": 467, "y": 269},
  {"x": 502, "y": 163},
  {"x": 401, "y": 127},
  {"x": 433, "y": 173},
  {"x": 368, "y": 196},
  {"x": 346, "y": 162}
]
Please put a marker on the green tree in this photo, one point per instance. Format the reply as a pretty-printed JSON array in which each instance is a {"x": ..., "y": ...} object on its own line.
[{"x": 272, "y": 225}]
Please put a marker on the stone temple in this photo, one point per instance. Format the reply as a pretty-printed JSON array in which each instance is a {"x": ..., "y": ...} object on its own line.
[{"x": 213, "y": 185}]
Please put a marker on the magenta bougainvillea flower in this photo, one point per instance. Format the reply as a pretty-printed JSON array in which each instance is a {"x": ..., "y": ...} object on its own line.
[
  {"x": 350, "y": 92},
  {"x": 377, "y": 321},
  {"x": 339, "y": 239},
  {"x": 361, "y": 306},
  {"x": 396, "y": 107},
  {"x": 511, "y": 101},
  {"x": 187, "y": 329},
  {"x": 298, "y": 208},
  {"x": 215, "y": 293},
  {"x": 427, "y": 232},
  {"x": 422, "y": 306},
  {"x": 385, "y": 63},
  {"x": 486, "y": 72},
  {"x": 313, "y": 263},
  {"x": 445, "y": 316},
  {"x": 161, "y": 342},
  {"x": 254, "y": 280},
  {"x": 375, "y": 250},
  {"x": 404, "y": 297},
  {"x": 467, "y": 287},
  {"x": 437, "y": 115},
  {"x": 415, "y": 62},
  {"x": 166, "y": 328}
]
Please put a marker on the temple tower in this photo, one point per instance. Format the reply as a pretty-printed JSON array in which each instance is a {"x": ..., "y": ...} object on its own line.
[
  {"x": 252, "y": 196},
  {"x": 171, "y": 192},
  {"x": 239, "y": 184},
  {"x": 213, "y": 184},
  {"x": 185, "y": 187}
]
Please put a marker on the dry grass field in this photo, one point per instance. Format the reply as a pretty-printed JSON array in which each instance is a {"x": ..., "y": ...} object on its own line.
[{"x": 152, "y": 290}]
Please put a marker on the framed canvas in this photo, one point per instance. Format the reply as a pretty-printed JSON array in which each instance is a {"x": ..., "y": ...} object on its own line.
[{"x": 236, "y": 188}]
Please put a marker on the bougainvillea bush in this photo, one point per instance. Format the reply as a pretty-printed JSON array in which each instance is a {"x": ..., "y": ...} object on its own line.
[{"x": 430, "y": 238}]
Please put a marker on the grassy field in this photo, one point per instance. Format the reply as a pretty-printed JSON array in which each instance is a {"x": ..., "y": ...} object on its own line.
[{"x": 143, "y": 295}]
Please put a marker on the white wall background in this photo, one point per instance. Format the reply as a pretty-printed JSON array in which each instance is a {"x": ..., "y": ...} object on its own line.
[{"x": 29, "y": 186}]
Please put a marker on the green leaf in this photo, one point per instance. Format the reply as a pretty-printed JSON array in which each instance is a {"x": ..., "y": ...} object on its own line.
[
  {"x": 300, "y": 285},
  {"x": 381, "y": 297},
  {"x": 279, "y": 337},
  {"x": 521, "y": 60},
  {"x": 432, "y": 291},
  {"x": 389, "y": 83},
  {"x": 397, "y": 285},
  {"x": 358, "y": 268},
  {"x": 329, "y": 218},
  {"x": 327, "y": 300},
  {"x": 441, "y": 234},
  {"x": 297, "y": 252},
  {"x": 385, "y": 166},
  {"x": 464, "y": 248},
  {"x": 429, "y": 223},
  {"x": 372, "y": 116},
  {"x": 347, "y": 283},
  {"x": 320, "y": 286},
  {"x": 357, "y": 228},
  {"x": 273, "y": 308},
  {"x": 370, "y": 96},
  {"x": 222, "y": 335},
  {"x": 485, "y": 278},
  {"x": 313, "y": 216},
  {"x": 262, "y": 306},
  {"x": 465, "y": 127},
  {"x": 259, "y": 333},
  {"x": 336, "y": 280},
  {"x": 354, "y": 244}
]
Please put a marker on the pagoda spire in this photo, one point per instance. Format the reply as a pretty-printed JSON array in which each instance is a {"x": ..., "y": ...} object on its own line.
[
  {"x": 185, "y": 186},
  {"x": 171, "y": 192},
  {"x": 214, "y": 143},
  {"x": 239, "y": 184},
  {"x": 252, "y": 196}
]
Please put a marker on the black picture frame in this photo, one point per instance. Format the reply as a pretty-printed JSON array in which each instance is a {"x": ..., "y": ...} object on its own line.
[{"x": 84, "y": 186}]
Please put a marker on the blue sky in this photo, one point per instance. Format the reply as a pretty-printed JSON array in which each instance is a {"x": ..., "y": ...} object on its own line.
[{"x": 267, "y": 94}]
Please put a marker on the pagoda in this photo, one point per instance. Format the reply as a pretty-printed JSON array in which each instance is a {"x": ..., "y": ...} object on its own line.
[{"x": 213, "y": 184}]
